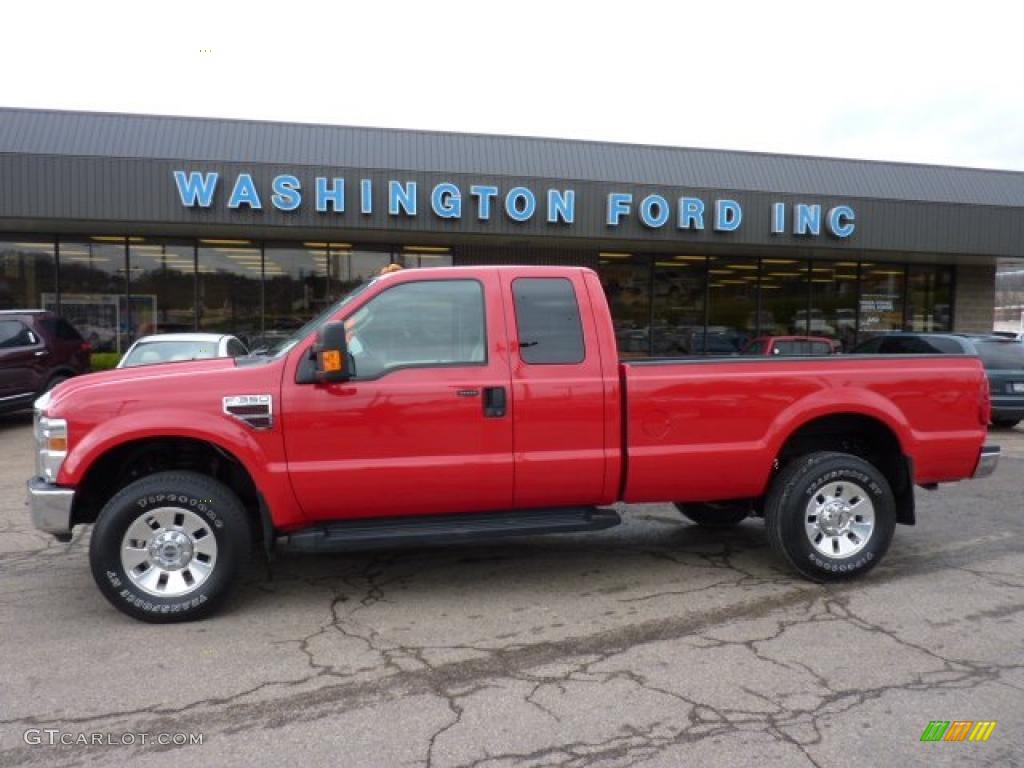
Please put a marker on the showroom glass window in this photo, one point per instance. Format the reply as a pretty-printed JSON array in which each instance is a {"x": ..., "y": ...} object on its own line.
[
  {"x": 627, "y": 285},
  {"x": 834, "y": 302},
  {"x": 27, "y": 273},
  {"x": 678, "y": 303},
  {"x": 732, "y": 307},
  {"x": 299, "y": 284},
  {"x": 881, "y": 298},
  {"x": 424, "y": 256},
  {"x": 162, "y": 289},
  {"x": 785, "y": 292},
  {"x": 929, "y": 298},
  {"x": 230, "y": 289},
  {"x": 92, "y": 291}
]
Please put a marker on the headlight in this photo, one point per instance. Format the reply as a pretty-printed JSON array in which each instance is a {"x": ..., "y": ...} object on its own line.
[{"x": 51, "y": 445}]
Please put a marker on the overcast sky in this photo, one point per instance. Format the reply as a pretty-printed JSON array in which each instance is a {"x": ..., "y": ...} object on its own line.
[{"x": 933, "y": 82}]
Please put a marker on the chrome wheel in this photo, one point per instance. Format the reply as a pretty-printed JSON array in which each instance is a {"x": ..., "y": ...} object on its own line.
[
  {"x": 169, "y": 551},
  {"x": 839, "y": 519}
]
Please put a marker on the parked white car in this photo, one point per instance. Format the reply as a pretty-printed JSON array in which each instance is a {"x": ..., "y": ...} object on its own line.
[{"x": 174, "y": 347}]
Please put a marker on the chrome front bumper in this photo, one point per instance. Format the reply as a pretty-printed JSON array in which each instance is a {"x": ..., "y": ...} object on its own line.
[
  {"x": 987, "y": 461},
  {"x": 51, "y": 507}
]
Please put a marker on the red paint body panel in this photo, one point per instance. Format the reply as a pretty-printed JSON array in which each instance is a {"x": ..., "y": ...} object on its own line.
[
  {"x": 416, "y": 441},
  {"x": 703, "y": 431}
]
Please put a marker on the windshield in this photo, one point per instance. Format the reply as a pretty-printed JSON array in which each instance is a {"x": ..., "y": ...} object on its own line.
[
  {"x": 150, "y": 352},
  {"x": 1001, "y": 355},
  {"x": 284, "y": 345}
]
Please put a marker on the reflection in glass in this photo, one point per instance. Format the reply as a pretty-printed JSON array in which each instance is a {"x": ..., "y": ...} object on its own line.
[
  {"x": 162, "y": 286},
  {"x": 298, "y": 285},
  {"x": 784, "y": 294},
  {"x": 92, "y": 291},
  {"x": 930, "y": 298},
  {"x": 881, "y": 299},
  {"x": 834, "y": 301},
  {"x": 678, "y": 304},
  {"x": 230, "y": 288},
  {"x": 27, "y": 273},
  {"x": 627, "y": 285},
  {"x": 732, "y": 307}
]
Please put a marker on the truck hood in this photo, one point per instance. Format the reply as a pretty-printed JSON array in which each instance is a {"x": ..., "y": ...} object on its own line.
[{"x": 114, "y": 385}]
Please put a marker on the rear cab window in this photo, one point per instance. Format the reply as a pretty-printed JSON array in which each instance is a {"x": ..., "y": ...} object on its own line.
[{"x": 548, "y": 321}]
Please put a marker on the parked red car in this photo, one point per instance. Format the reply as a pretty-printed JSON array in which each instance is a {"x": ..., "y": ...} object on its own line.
[
  {"x": 38, "y": 350},
  {"x": 792, "y": 346},
  {"x": 448, "y": 404}
]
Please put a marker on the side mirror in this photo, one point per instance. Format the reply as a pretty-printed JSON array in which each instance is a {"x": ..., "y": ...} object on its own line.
[{"x": 331, "y": 363}]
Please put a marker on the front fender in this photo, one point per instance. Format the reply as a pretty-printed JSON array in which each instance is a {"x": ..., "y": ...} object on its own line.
[{"x": 261, "y": 453}]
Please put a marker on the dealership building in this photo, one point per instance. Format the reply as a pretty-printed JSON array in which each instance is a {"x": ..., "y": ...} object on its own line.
[{"x": 131, "y": 224}]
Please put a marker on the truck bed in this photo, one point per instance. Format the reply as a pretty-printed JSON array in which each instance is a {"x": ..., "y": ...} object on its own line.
[{"x": 703, "y": 429}]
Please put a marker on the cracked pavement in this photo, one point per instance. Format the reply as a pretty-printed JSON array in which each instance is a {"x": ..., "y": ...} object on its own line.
[{"x": 652, "y": 644}]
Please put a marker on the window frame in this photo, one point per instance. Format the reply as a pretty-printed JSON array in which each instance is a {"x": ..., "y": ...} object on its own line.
[{"x": 407, "y": 366}]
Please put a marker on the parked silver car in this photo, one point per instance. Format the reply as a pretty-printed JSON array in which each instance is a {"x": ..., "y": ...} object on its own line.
[{"x": 173, "y": 347}]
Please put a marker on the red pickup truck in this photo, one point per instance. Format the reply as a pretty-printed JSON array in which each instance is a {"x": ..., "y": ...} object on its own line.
[{"x": 448, "y": 404}]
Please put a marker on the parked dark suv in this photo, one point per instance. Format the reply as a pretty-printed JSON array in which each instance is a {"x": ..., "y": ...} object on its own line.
[
  {"x": 1003, "y": 359},
  {"x": 38, "y": 350}
]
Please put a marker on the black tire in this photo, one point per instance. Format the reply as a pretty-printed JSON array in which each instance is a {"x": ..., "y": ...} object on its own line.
[
  {"x": 715, "y": 514},
  {"x": 200, "y": 499},
  {"x": 59, "y": 379},
  {"x": 788, "y": 520},
  {"x": 1005, "y": 423}
]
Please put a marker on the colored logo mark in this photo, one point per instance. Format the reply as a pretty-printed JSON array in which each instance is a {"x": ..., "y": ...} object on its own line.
[{"x": 958, "y": 730}]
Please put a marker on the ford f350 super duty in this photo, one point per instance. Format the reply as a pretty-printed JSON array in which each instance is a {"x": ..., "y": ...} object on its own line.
[{"x": 448, "y": 404}]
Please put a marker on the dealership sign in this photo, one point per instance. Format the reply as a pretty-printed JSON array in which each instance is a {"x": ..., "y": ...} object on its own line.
[{"x": 445, "y": 200}]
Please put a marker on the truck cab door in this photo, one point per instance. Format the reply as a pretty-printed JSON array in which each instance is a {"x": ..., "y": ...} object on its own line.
[
  {"x": 565, "y": 404},
  {"x": 423, "y": 426}
]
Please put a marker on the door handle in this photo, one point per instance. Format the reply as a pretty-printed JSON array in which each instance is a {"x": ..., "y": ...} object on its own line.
[
  {"x": 40, "y": 353},
  {"x": 495, "y": 402}
]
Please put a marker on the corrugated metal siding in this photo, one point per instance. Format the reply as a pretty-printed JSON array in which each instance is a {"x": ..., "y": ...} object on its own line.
[{"x": 44, "y": 132}]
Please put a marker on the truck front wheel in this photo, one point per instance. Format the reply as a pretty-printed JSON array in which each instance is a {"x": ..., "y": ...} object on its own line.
[
  {"x": 831, "y": 515},
  {"x": 168, "y": 547}
]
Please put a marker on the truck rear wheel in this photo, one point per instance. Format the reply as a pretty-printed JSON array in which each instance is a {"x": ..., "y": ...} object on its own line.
[
  {"x": 831, "y": 515},
  {"x": 715, "y": 514},
  {"x": 168, "y": 547}
]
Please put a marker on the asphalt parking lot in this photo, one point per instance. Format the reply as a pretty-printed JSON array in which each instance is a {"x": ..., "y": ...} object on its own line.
[{"x": 652, "y": 644}]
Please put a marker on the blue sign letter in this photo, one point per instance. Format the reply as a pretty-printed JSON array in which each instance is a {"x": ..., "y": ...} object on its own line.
[
  {"x": 244, "y": 193},
  {"x": 654, "y": 211},
  {"x": 446, "y": 201},
  {"x": 197, "y": 188},
  {"x": 520, "y": 203},
  {"x": 691, "y": 213},
  {"x": 483, "y": 193},
  {"x": 619, "y": 204},
  {"x": 807, "y": 219},
  {"x": 728, "y": 215},
  {"x": 778, "y": 218},
  {"x": 561, "y": 205},
  {"x": 366, "y": 196},
  {"x": 402, "y": 197},
  {"x": 840, "y": 221},
  {"x": 286, "y": 195},
  {"x": 334, "y": 195}
]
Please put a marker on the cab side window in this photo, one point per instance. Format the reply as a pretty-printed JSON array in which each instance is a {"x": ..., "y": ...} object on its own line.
[
  {"x": 548, "y": 320},
  {"x": 422, "y": 324}
]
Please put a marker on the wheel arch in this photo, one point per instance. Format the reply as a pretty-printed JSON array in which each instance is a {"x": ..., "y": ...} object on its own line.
[
  {"x": 867, "y": 435},
  {"x": 133, "y": 459}
]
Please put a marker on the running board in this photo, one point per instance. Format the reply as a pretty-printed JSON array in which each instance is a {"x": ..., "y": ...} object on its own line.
[{"x": 373, "y": 533}]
